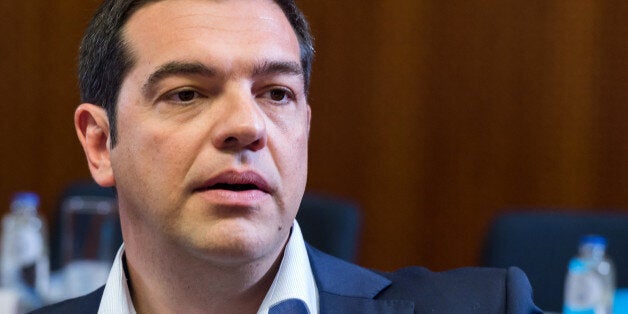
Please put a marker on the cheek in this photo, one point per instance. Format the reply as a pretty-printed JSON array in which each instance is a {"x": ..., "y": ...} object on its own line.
[
  {"x": 294, "y": 160},
  {"x": 149, "y": 175},
  {"x": 299, "y": 145},
  {"x": 291, "y": 139},
  {"x": 149, "y": 157}
]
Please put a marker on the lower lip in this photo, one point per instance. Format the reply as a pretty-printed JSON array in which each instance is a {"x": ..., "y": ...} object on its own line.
[{"x": 234, "y": 198}]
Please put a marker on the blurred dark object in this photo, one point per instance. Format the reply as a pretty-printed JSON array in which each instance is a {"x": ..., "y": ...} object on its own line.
[
  {"x": 330, "y": 224},
  {"x": 541, "y": 244},
  {"x": 87, "y": 188}
]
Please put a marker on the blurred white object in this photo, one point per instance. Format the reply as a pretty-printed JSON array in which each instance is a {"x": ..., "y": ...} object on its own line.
[
  {"x": 84, "y": 276},
  {"x": 9, "y": 300},
  {"x": 590, "y": 283},
  {"x": 24, "y": 262}
]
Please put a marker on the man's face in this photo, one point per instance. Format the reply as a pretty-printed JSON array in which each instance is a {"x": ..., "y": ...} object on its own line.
[{"x": 213, "y": 128}]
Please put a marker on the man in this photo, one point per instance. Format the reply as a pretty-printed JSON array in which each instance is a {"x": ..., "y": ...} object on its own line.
[{"x": 196, "y": 111}]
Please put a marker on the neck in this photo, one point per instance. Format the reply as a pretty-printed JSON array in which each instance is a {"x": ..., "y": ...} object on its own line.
[{"x": 167, "y": 279}]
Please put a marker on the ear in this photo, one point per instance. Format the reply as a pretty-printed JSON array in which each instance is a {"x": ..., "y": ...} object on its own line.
[{"x": 92, "y": 127}]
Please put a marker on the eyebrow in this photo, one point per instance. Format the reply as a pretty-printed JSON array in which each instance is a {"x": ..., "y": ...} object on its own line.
[
  {"x": 172, "y": 69},
  {"x": 195, "y": 68},
  {"x": 275, "y": 67}
]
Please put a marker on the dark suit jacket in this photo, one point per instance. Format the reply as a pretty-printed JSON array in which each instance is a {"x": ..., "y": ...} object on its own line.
[{"x": 348, "y": 288}]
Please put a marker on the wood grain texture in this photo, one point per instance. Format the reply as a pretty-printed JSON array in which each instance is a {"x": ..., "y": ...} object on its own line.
[{"x": 433, "y": 115}]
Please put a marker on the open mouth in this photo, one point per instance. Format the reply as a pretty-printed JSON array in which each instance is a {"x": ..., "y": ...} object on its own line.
[
  {"x": 236, "y": 182},
  {"x": 233, "y": 187}
]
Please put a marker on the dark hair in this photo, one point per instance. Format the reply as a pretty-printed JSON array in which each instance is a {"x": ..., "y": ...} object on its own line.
[{"x": 105, "y": 60}]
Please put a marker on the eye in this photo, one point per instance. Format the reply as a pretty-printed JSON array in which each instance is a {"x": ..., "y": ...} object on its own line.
[
  {"x": 187, "y": 95},
  {"x": 279, "y": 95},
  {"x": 183, "y": 96}
]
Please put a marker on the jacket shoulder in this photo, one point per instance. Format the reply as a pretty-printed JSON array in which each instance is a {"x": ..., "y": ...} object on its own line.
[
  {"x": 86, "y": 304},
  {"x": 463, "y": 290}
]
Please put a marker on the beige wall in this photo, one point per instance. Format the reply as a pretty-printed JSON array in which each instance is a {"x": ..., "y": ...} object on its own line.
[{"x": 433, "y": 115}]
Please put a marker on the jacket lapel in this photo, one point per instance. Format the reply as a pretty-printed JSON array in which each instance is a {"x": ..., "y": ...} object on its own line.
[{"x": 348, "y": 288}]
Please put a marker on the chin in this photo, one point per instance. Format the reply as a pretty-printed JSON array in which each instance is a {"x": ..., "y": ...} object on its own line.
[{"x": 236, "y": 247}]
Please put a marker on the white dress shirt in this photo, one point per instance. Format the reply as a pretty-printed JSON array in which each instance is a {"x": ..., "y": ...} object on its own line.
[{"x": 293, "y": 280}]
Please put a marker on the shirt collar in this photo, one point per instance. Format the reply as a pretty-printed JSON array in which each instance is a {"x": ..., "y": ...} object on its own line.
[
  {"x": 116, "y": 297},
  {"x": 294, "y": 279}
]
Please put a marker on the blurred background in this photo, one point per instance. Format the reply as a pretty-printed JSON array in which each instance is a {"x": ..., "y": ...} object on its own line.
[{"x": 433, "y": 116}]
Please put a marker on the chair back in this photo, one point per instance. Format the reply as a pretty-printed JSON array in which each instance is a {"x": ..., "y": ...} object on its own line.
[
  {"x": 331, "y": 225},
  {"x": 541, "y": 244}
]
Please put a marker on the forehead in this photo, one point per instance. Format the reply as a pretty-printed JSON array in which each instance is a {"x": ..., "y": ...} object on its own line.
[{"x": 206, "y": 29}]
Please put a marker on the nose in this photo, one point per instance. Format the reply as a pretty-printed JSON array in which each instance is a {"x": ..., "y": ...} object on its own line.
[{"x": 240, "y": 124}]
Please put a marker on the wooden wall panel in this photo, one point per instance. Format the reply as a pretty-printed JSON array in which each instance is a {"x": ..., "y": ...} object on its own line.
[
  {"x": 474, "y": 108},
  {"x": 611, "y": 79},
  {"x": 433, "y": 115},
  {"x": 39, "y": 93}
]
